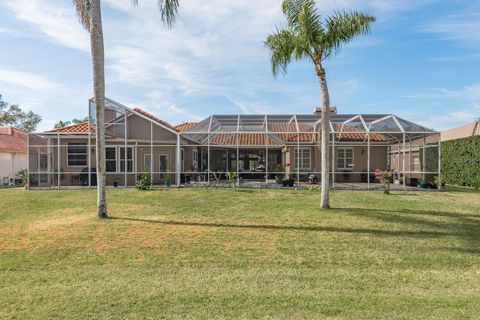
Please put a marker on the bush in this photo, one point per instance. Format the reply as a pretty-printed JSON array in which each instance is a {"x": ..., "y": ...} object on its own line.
[
  {"x": 461, "y": 162},
  {"x": 144, "y": 183},
  {"x": 386, "y": 179},
  {"x": 232, "y": 179},
  {"x": 25, "y": 177}
]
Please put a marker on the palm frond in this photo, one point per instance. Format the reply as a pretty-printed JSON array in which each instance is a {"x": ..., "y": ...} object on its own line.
[
  {"x": 342, "y": 27},
  {"x": 83, "y": 11},
  {"x": 281, "y": 44},
  {"x": 168, "y": 10},
  {"x": 309, "y": 25},
  {"x": 291, "y": 9}
]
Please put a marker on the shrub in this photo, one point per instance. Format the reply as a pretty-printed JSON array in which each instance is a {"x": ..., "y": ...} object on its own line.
[
  {"x": 386, "y": 179},
  {"x": 232, "y": 179},
  {"x": 144, "y": 182},
  {"x": 461, "y": 161},
  {"x": 439, "y": 182},
  {"x": 25, "y": 178}
]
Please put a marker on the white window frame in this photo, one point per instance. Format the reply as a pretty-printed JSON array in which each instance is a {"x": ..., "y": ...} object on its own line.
[
  {"x": 145, "y": 155},
  {"x": 161, "y": 174},
  {"x": 119, "y": 162},
  {"x": 43, "y": 173},
  {"x": 300, "y": 153},
  {"x": 77, "y": 144},
  {"x": 417, "y": 168},
  {"x": 40, "y": 161},
  {"x": 116, "y": 159},
  {"x": 195, "y": 159},
  {"x": 342, "y": 164}
]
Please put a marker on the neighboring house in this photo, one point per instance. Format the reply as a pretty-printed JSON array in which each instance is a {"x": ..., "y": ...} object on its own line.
[
  {"x": 465, "y": 131},
  {"x": 258, "y": 148},
  {"x": 13, "y": 154}
]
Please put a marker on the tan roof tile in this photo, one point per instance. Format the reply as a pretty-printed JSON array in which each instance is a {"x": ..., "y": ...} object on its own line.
[
  {"x": 13, "y": 140},
  {"x": 185, "y": 126}
]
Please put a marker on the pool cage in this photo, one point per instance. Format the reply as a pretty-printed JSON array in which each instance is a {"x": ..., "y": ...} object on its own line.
[
  {"x": 274, "y": 150},
  {"x": 245, "y": 150}
]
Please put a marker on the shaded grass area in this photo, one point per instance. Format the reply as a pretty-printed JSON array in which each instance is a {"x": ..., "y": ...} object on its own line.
[{"x": 219, "y": 253}]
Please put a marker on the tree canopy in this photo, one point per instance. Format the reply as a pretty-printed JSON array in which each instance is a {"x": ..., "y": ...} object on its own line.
[
  {"x": 309, "y": 35},
  {"x": 168, "y": 11},
  {"x": 13, "y": 115},
  {"x": 61, "y": 124}
]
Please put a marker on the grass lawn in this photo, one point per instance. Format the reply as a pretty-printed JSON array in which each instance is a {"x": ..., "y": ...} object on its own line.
[{"x": 216, "y": 253}]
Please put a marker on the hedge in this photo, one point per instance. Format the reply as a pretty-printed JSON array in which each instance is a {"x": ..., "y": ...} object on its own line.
[{"x": 461, "y": 161}]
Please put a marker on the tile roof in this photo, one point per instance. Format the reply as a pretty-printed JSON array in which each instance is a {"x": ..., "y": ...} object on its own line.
[
  {"x": 467, "y": 130},
  {"x": 354, "y": 134},
  {"x": 151, "y": 116},
  {"x": 244, "y": 139},
  {"x": 185, "y": 126},
  {"x": 80, "y": 128},
  {"x": 13, "y": 140},
  {"x": 259, "y": 139}
]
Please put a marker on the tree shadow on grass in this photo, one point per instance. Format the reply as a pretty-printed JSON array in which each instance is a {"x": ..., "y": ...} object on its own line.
[
  {"x": 465, "y": 227},
  {"x": 461, "y": 226},
  {"x": 450, "y": 214},
  {"x": 374, "y": 232}
]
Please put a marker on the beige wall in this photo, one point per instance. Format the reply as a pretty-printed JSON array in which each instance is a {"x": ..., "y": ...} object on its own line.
[
  {"x": 139, "y": 128},
  {"x": 11, "y": 163},
  {"x": 378, "y": 157},
  {"x": 378, "y": 160}
]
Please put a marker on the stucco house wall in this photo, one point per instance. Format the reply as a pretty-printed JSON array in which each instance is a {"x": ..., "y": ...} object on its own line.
[{"x": 13, "y": 154}]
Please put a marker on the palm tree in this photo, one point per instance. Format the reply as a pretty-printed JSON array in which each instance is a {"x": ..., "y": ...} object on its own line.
[
  {"x": 308, "y": 35},
  {"x": 91, "y": 18}
]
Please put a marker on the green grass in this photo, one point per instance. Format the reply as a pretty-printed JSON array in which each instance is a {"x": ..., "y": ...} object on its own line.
[{"x": 215, "y": 254}]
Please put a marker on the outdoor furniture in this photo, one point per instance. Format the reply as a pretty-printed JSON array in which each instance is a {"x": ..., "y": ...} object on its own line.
[{"x": 83, "y": 177}]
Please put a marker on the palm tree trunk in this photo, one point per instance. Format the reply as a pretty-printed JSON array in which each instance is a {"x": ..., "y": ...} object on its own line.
[
  {"x": 325, "y": 136},
  {"x": 98, "y": 59}
]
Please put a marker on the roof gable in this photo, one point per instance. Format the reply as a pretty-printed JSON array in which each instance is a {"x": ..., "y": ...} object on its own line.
[
  {"x": 80, "y": 128},
  {"x": 185, "y": 126},
  {"x": 152, "y": 117},
  {"x": 13, "y": 140}
]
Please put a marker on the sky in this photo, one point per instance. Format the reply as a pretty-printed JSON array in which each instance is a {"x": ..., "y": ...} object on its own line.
[{"x": 421, "y": 60}]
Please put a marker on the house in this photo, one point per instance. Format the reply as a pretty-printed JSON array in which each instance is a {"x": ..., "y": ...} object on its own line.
[
  {"x": 465, "y": 131},
  {"x": 260, "y": 150},
  {"x": 13, "y": 154}
]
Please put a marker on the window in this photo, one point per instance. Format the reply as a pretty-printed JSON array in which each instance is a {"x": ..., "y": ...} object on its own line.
[
  {"x": 345, "y": 158},
  {"x": 416, "y": 163},
  {"x": 195, "y": 159},
  {"x": 43, "y": 162},
  {"x": 129, "y": 159},
  {"x": 182, "y": 159},
  {"x": 303, "y": 158},
  {"x": 147, "y": 160},
  {"x": 111, "y": 159},
  {"x": 77, "y": 154},
  {"x": 163, "y": 165}
]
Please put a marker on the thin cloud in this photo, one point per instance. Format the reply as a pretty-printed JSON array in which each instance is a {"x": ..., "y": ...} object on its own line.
[
  {"x": 460, "y": 116},
  {"x": 470, "y": 92},
  {"x": 54, "y": 19},
  {"x": 27, "y": 80},
  {"x": 459, "y": 58},
  {"x": 461, "y": 27}
]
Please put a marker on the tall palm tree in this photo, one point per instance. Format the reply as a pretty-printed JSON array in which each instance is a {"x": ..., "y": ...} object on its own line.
[
  {"x": 308, "y": 35},
  {"x": 90, "y": 16}
]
